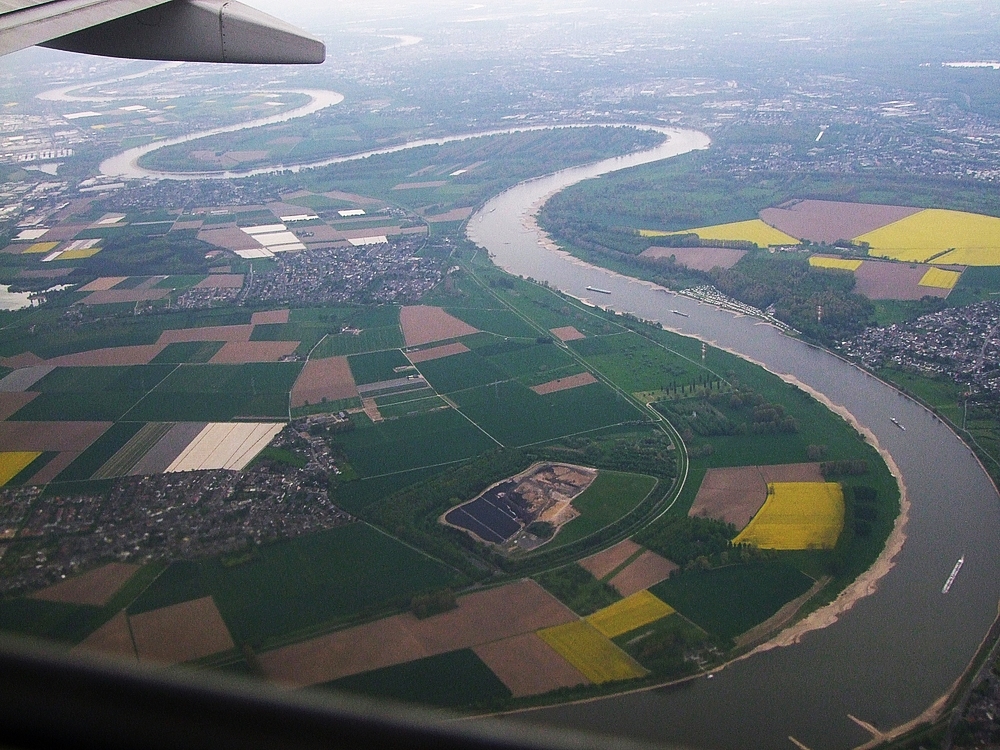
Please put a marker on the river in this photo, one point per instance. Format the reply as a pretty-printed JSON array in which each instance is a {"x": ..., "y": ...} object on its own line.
[{"x": 896, "y": 651}]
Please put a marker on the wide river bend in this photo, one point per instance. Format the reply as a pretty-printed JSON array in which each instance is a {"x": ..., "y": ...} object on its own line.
[{"x": 896, "y": 651}]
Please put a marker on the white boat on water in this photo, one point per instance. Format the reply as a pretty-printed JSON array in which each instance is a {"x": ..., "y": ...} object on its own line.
[
  {"x": 954, "y": 574},
  {"x": 597, "y": 289}
]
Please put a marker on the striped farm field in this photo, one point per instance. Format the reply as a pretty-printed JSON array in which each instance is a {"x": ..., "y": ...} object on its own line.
[
  {"x": 842, "y": 264},
  {"x": 940, "y": 278},
  {"x": 754, "y": 230},
  {"x": 587, "y": 649},
  {"x": 630, "y": 613},
  {"x": 939, "y": 236},
  {"x": 11, "y": 463},
  {"x": 225, "y": 445},
  {"x": 797, "y": 515}
]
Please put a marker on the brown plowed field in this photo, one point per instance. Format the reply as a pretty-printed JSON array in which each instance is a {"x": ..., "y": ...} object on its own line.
[
  {"x": 877, "y": 280},
  {"x": 566, "y": 333},
  {"x": 10, "y": 402},
  {"x": 194, "y": 224},
  {"x": 829, "y": 221},
  {"x": 328, "y": 378},
  {"x": 95, "y": 587},
  {"x": 269, "y": 317},
  {"x": 64, "y": 232},
  {"x": 357, "y": 234},
  {"x": 564, "y": 384},
  {"x": 102, "y": 284},
  {"x": 229, "y": 238},
  {"x": 647, "y": 570},
  {"x": 527, "y": 665},
  {"x": 792, "y": 473},
  {"x": 242, "y": 352},
  {"x": 182, "y": 632},
  {"x": 221, "y": 281},
  {"x": 49, "y": 436},
  {"x": 113, "y": 638},
  {"x": 207, "y": 333},
  {"x": 437, "y": 352},
  {"x": 382, "y": 643},
  {"x": 604, "y": 562},
  {"x": 456, "y": 214},
  {"x": 117, "y": 355},
  {"x": 45, "y": 273},
  {"x": 118, "y": 296},
  {"x": 493, "y": 615},
  {"x": 25, "y": 359},
  {"x": 53, "y": 468},
  {"x": 698, "y": 258},
  {"x": 322, "y": 233},
  {"x": 423, "y": 324},
  {"x": 735, "y": 494},
  {"x": 23, "y": 379}
]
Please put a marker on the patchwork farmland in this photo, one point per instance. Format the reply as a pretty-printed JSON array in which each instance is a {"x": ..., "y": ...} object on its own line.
[{"x": 305, "y": 459}]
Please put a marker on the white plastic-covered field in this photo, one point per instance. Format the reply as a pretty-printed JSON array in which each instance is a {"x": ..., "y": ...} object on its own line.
[{"x": 225, "y": 445}]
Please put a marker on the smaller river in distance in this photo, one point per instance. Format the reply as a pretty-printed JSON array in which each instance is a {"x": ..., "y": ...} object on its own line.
[{"x": 897, "y": 650}]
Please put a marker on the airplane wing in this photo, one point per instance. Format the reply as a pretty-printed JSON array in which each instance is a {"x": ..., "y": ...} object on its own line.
[{"x": 192, "y": 30}]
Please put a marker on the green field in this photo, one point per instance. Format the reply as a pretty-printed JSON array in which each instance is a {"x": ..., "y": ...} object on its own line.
[
  {"x": 457, "y": 679},
  {"x": 98, "y": 406},
  {"x": 412, "y": 407},
  {"x": 301, "y": 584},
  {"x": 528, "y": 360},
  {"x": 608, "y": 498},
  {"x": 730, "y": 600},
  {"x": 218, "y": 393},
  {"x": 578, "y": 589},
  {"x": 378, "y": 366},
  {"x": 369, "y": 340},
  {"x": 140, "y": 378},
  {"x": 459, "y": 372},
  {"x": 500, "y": 322},
  {"x": 516, "y": 415},
  {"x": 356, "y": 495},
  {"x": 635, "y": 363},
  {"x": 188, "y": 352},
  {"x": 413, "y": 442}
]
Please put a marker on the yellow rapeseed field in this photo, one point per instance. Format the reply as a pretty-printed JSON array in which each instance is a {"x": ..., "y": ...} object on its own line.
[
  {"x": 82, "y": 252},
  {"x": 797, "y": 515},
  {"x": 844, "y": 264},
  {"x": 597, "y": 658},
  {"x": 754, "y": 230},
  {"x": 940, "y": 278},
  {"x": 630, "y": 613},
  {"x": 41, "y": 247},
  {"x": 13, "y": 462},
  {"x": 973, "y": 238}
]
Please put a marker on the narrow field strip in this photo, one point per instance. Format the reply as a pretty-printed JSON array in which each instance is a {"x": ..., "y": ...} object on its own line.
[
  {"x": 129, "y": 454},
  {"x": 842, "y": 264},
  {"x": 630, "y": 613},
  {"x": 596, "y": 657}
]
